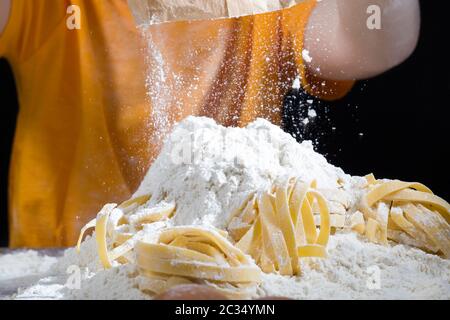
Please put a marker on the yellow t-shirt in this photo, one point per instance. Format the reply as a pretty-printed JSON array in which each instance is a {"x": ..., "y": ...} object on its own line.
[{"x": 85, "y": 134}]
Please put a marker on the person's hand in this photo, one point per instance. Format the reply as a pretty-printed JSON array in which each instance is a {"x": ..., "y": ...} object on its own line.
[{"x": 157, "y": 11}]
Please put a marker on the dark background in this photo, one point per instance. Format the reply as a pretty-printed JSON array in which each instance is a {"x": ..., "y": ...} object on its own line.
[{"x": 394, "y": 125}]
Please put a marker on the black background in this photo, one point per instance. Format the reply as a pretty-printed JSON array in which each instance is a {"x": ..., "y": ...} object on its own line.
[
  {"x": 284, "y": 309},
  {"x": 394, "y": 125}
]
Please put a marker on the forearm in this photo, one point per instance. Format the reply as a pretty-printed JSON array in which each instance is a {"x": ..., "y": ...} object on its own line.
[{"x": 344, "y": 47}]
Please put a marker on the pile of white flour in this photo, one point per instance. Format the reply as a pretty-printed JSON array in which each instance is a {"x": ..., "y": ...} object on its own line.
[{"x": 208, "y": 170}]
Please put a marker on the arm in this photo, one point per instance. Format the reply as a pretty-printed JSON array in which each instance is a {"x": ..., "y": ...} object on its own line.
[
  {"x": 342, "y": 47},
  {"x": 4, "y": 13}
]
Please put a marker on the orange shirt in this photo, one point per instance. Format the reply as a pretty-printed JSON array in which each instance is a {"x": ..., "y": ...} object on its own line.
[{"x": 85, "y": 133}]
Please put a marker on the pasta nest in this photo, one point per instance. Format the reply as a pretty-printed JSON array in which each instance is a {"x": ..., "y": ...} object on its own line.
[
  {"x": 196, "y": 255},
  {"x": 278, "y": 227},
  {"x": 407, "y": 213},
  {"x": 179, "y": 255}
]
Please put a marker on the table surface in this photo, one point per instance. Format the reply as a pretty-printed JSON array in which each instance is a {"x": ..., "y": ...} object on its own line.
[
  {"x": 9, "y": 287},
  {"x": 56, "y": 252}
]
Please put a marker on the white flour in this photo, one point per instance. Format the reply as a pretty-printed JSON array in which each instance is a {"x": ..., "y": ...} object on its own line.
[
  {"x": 357, "y": 269},
  {"x": 208, "y": 170}
]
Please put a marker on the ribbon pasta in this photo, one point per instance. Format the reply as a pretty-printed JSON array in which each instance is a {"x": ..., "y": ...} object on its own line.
[
  {"x": 119, "y": 227},
  {"x": 407, "y": 213},
  {"x": 278, "y": 227},
  {"x": 181, "y": 256},
  {"x": 196, "y": 255},
  {"x": 270, "y": 231}
]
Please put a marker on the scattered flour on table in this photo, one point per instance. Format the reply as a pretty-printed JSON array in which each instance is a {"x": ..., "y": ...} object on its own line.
[
  {"x": 22, "y": 269},
  {"x": 405, "y": 273},
  {"x": 208, "y": 170},
  {"x": 24, "y": 263}
]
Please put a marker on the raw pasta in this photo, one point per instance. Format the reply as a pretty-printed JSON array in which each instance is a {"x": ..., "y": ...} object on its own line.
[
  {"x": 278, "y": 227},
  {"x": 407, "y": 213},
  {"x": 196, "y": 255},
  {"x": 270, "y": 232}
]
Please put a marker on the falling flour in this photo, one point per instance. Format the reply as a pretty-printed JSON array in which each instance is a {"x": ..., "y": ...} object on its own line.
[{"x": 208, "y": 170}]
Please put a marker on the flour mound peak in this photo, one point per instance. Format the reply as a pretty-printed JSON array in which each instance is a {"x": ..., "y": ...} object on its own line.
[{"x": 208, "y": 169}]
